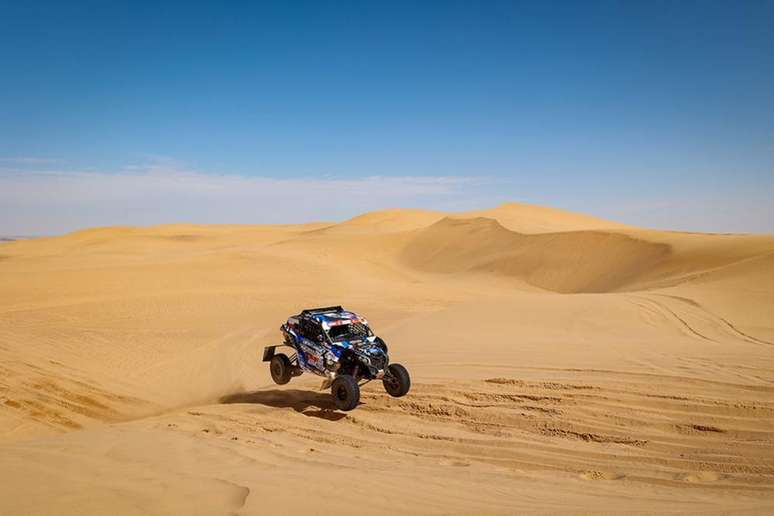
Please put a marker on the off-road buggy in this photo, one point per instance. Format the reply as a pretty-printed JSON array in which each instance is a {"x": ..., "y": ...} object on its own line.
[{"x": 339, "y": 346}]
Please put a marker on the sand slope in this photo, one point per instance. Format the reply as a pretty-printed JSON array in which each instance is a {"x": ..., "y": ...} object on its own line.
[{"x": 559, "y": 363}]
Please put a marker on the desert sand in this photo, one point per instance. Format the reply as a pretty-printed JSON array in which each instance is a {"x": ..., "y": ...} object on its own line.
[{"x": 560, "y": 363}]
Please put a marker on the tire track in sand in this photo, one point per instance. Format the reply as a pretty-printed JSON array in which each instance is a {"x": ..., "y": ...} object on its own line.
[{"x": 616, "y": 430}]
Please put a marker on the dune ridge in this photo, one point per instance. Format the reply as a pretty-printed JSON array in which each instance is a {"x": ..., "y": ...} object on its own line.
[
  {"x": 530, "y": 218},
  {"x": 576, "y": 261}
]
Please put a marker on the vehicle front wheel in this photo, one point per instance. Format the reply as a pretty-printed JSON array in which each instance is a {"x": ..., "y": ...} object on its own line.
[
  {"x": 397, "y": 381},
  {"x": 346, "y": 392},
  {"x": 281, "y": 369}
]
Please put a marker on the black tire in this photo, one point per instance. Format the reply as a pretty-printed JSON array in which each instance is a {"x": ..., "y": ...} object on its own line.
[
  {"x": 397, "y": 381},
  {"x": 281, "y": 369},
  {"x": 346, "y": 392}
]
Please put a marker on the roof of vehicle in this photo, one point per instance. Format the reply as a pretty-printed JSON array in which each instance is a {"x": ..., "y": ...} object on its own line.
[{"x": 332, "y": 316}]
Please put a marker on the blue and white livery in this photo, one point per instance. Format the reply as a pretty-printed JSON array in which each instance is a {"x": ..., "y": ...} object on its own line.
[{"x": 338, "y": 345}]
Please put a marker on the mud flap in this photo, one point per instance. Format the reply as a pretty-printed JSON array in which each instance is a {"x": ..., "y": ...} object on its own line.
[{"x": 268, "y": 353}]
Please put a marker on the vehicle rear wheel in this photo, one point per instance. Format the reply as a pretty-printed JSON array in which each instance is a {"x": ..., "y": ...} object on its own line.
[
  {"x": 346, "y": 392},
  {"x": 281, "y": 369},
  {"x": 397, "y": 381}
]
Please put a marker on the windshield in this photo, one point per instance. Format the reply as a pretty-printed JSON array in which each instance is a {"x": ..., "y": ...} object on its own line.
[{"x": 351, "y": 331}]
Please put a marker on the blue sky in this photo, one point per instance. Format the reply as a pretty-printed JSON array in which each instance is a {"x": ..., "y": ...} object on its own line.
[{"x": 658, "y": 114}]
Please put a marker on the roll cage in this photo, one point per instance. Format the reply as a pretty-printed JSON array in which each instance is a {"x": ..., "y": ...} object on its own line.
[{"x": 309, "y": 327}]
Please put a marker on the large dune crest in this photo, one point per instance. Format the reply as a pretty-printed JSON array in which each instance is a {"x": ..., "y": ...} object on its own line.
[
  {"x": 530, "y": 218},
  {"x": 627, "y": 369},
  {"x": 387, "y": 221},
  {"x": 579, "y": 261}
]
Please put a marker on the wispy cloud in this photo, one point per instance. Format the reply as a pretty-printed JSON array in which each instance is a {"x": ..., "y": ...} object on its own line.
[
  {"x": 41, "y": 199},
  {"x": 29, "y": 160},
  {"x": 164, "y": 191}
]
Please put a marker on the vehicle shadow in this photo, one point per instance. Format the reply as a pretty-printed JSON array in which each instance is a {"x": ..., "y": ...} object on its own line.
[{"x": 308, "y": 403}]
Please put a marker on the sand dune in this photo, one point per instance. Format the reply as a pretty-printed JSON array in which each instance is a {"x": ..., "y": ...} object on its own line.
[
  {"x": 559, "y": 362},
  {"x": 579, "y": 261},
  {"x": 387, "y": 221},
  {"x": 529, "y": 218}
]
